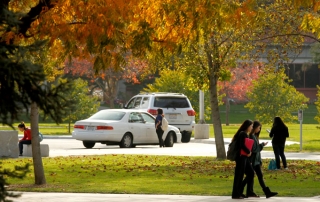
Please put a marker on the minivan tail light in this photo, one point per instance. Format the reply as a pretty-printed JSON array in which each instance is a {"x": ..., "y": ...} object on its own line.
[
  {"x": 191, "y": 113},
  {"x": 153, "y": 111},
  {"x": 104, "y": 128},
  {"x": 78, "y": 126}
]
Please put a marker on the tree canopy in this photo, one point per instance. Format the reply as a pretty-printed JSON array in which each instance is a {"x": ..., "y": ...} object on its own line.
[
  {"x": 21, "y": 79},
  {"x": 272, "y": 95}
]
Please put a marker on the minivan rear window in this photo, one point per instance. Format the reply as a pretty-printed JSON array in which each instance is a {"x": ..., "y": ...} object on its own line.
[{"x": 171, "y": 102}]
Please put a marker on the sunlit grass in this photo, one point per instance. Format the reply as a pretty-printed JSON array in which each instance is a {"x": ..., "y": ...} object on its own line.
[{"x": 147, "y": 174}]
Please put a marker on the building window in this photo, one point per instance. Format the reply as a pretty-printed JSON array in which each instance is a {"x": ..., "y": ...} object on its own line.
[{"x": 304, "y": 75}]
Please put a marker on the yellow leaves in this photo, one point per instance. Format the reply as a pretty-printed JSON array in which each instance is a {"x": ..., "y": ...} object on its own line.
[{"x": 8, "y": 37}]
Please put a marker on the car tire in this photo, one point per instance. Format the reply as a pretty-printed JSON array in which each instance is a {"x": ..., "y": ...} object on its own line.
[
  {"x": 186, "y": 136},
  {"x": 126, "y": 141},
  {"x": 88, "y": 144},
  {"x": 169, "y": 140}
]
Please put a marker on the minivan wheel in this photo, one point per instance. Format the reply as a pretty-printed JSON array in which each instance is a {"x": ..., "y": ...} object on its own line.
[
  {"x": 186, "y": 136},
  {"x": 169, "y": 140},
  {"x": 88, "y": 144}
]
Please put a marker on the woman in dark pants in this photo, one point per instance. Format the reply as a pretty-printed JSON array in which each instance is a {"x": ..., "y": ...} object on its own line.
[
  {"x": 243, "y": 165},
  {"x": 26, "y": 137},
  {"x": 279, "y": 134},
  {"x": 158, "y": 124},
  {"x": 256, "y": 159}
]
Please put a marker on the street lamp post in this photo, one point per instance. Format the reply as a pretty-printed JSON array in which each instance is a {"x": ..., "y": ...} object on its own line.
[{"x": 300, "y": 119}]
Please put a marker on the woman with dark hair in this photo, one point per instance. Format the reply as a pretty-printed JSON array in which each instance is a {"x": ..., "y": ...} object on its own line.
[
  {"x": 243, "y": 165},
  {"x": 26, "y": 137},
  {"x": 256, "y": 159},
  {"x": 158, "y": 124},
  {"x": 279, "y": 133}
]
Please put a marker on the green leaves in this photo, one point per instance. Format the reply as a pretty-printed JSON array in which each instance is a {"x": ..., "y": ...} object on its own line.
[{"x": 272, "y": 95}]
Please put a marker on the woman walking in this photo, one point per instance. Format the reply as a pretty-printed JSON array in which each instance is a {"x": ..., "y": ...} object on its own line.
[
  {"x": 256, "y": 159},
  {"x": 26, "y": 137},
  {"x": 243, "y": 165},
  {"x": 279, "y": 134}
]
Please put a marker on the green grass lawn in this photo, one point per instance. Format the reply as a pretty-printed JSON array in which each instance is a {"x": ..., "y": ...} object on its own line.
[
  {"x": 238, "y": 114},
  {"x": 147, "y": 174},
  {"x": 45, "y": 128}
]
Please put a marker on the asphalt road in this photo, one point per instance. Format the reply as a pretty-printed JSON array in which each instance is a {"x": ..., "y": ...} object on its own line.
[{"x": 65, "y": 146}]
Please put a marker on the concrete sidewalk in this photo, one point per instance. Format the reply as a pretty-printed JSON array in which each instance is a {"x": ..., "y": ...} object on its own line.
[{"x": 83, "y": 197}]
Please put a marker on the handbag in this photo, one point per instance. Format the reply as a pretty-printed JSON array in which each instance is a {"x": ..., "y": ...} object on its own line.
[
  {"x": 272, "y": 165},
  {"x": 40, "y": 137},
  {"x": 232, "y": 153},
  {"x": 165, "y": 124}
]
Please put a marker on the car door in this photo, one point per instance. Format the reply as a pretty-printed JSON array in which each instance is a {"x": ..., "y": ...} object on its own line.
[
  {"x": 151, "y": 135},
  {"x": 137, "y": 127}
]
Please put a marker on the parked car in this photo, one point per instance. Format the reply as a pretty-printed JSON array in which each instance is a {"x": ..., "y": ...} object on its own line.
[
  {"x": 124, "y": 127},
  {"x": 176, "y": 108}
]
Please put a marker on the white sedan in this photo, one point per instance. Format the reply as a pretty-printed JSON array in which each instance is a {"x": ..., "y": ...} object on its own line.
[{"x": 124, "y": 127}]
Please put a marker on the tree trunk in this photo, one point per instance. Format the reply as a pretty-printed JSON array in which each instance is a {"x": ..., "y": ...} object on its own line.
[
  {"x": 37, "y": 160},
  {"x": 214, "y": 66},
  {"x": 218, "y": 135}
]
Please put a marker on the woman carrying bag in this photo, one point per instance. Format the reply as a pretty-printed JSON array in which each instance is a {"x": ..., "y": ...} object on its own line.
[
  {"x": 243, "y": 165},
  {"x": 256, "y": 159},
  {"x": 279, "y": 133}
]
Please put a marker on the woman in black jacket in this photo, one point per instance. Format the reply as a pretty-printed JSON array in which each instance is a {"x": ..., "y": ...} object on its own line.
[
  {"x": 256, "y": 159},
  {"x": 279, "y": 134},
  {"x": 243, "y": 165}
]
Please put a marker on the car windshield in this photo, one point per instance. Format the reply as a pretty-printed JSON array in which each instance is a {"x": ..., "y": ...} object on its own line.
[
  {"x": 171, "y": 102},
  {"x": 107, "y": 115}
]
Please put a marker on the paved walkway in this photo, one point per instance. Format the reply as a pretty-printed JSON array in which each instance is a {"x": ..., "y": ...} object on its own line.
[{"x": 81, "y": 197}]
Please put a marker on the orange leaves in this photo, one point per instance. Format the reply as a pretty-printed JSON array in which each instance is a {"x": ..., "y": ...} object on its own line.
[{"x": 8, "y": 37}]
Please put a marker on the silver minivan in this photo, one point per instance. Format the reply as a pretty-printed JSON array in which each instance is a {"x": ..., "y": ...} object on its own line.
[{"x": 176, "y": 108}]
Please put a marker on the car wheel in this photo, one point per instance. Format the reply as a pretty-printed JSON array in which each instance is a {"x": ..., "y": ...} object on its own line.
[
  {"x": 88, "y": 144},
  {"x": 126, "y": 141},
  {"x": 186, "y": 136},
  {"x": 169, "y": 140}
]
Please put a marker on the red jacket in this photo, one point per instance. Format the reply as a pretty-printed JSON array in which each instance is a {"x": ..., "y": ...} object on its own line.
[{"x": 26, "y": 134}]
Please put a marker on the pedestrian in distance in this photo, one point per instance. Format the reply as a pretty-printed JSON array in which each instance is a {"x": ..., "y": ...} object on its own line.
[
  {"x": 255, "y": 159},
  {"x": 279, "y": 133},
  {"x": 26, "y": 137},
  {"x": 243, "y": 165},
  {"x": 158, "y": 124}
]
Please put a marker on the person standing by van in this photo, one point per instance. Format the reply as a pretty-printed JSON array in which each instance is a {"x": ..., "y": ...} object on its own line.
[
  {"x": 279, "y": 133},
  {"x": 158, "y": 124}
]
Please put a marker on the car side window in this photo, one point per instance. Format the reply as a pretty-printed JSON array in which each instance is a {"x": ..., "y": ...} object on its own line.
[
  {"x": 131, "y": 103},
  {"x": 145, "y": 103},
  {"x": 137, "y": 102},
  {"x": 135, "y": 117},
  {"x": 148, "y": 118}
]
